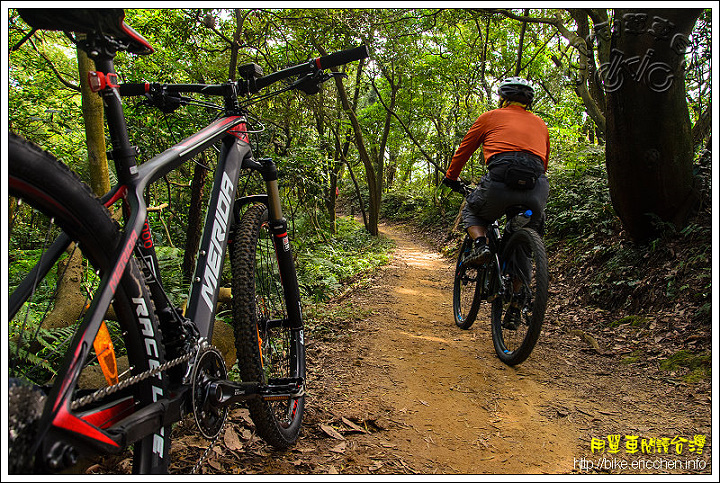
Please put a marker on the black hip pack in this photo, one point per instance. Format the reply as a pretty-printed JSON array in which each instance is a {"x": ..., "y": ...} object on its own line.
[{"x": 518, "y": 170}]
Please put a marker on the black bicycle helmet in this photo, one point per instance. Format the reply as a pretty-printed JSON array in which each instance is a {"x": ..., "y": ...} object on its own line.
[{"x": 517, "y": 89}]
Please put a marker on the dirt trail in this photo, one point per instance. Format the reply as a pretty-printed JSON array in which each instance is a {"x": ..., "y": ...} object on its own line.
[
  {"x": 457, "y": 407},
  {"x": 394, "y": 387}
]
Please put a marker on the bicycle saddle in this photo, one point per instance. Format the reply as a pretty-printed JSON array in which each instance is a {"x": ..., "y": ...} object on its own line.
[{"x": 108, "y": 21}]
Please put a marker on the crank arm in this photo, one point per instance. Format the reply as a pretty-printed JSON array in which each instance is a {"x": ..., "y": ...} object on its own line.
[{"x": 224, "y": 393}]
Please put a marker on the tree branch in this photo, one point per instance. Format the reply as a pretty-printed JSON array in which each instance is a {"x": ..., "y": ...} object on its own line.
[
  {"x": 57, "y": 73},
  {"x": 407, "y": 131}
]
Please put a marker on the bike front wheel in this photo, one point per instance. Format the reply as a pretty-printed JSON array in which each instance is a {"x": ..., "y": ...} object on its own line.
[
  {"x": 268, "y": 324},
  {"x": 61, "y": 241},
  {"x": 467, "y": 289},
  {"x": 518, "y": 313}
]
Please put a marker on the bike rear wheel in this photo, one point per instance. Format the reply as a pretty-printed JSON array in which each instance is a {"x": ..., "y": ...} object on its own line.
[
  {"x": 467, "y": 288},
  {"x": 517, "y": 315},
  {"x": 268, "y": 339},
  {"x": 49, "y": 203}
]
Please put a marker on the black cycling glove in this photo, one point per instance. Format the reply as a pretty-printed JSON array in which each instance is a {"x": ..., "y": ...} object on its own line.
[{"x": 453, "y": 184}]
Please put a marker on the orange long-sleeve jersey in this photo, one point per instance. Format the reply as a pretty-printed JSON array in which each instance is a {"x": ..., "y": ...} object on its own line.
[{"x": 510, "y": 128}]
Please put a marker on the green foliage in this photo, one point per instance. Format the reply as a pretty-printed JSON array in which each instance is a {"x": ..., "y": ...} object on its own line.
[
  {"x": 40, "y": 361},
  {"x": 170, "y": 260},
  {"x": 437, "y": 207},
  {"x": 324, "y": 264},
  {"x": 579, "y": 207}
]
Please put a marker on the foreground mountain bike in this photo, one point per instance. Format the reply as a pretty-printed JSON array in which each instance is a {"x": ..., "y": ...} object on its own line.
[
  {"x": 114, "y": 364},
  {"x": 514, "y": 281}
]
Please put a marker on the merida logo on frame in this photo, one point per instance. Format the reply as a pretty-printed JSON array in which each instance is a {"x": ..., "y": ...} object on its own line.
[{"x": 219, "y": 234}]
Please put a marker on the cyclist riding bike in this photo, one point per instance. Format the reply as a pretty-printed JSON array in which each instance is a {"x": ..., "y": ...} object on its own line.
[{"x": 516, "y": 147}]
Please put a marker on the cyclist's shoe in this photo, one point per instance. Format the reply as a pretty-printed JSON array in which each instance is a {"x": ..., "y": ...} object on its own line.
[
  {"x": 512, "y": 319},
  {"x": 479, "y": 254}
]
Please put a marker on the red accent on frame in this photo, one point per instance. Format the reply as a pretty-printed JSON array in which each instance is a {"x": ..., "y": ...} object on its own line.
[
  {"x": 109, "y": 416},
  {"x": 240, "y": 132},
  {"x": 212, "y": 127},
  {"x": 121, "y": 192},
  {"x": 146, "y": 236},
  {"x": 67, "y": 421}
]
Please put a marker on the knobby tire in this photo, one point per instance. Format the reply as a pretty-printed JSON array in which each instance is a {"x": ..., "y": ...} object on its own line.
[
  {"x": 266, "y": 347},
  {"x": 466, "y": 290},
  {"x": 513, "y": 344}
]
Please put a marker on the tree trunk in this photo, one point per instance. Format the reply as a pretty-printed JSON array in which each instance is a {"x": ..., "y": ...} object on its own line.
[
  {"x": 518, "y": 64},
  {"x": 235, "y": 46},
  {"x": 370, "y": 176},
  {"x": 92, "y": 108},
  {"x": 70, "y": 301},
  {"x": 649, "y": 149}
]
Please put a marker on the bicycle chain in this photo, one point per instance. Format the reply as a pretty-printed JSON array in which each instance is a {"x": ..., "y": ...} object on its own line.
[
  {"x": 207, "y": 450},
  {"x": 104, "y": 392},
  {"x": 100, "y": 394}
]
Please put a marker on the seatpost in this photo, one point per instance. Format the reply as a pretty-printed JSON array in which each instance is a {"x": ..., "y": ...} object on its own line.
[{"x": 123, "y": 153}]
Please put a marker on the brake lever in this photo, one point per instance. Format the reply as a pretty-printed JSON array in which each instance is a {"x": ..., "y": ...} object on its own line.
[
  {"x": 310, "y": 84},
  {"x": 167, "y": 103}
]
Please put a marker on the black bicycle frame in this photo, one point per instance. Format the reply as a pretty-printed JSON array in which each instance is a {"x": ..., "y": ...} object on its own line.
[{"x": 235, "y": 154}]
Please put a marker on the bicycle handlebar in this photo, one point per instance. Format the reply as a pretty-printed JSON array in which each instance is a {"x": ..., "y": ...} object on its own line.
[
  {"x": 254, "y": 85},
  {"x": 342, "y": 57}
]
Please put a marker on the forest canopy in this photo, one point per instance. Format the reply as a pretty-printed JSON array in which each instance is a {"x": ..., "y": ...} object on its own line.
[{"x": 383, "y": 136}]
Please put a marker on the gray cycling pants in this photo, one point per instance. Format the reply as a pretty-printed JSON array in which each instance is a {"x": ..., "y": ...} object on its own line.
[{"x": 492, "y": 198}]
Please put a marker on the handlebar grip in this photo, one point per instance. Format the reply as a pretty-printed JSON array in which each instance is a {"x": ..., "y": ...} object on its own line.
[
  {"x": 342, "y": 57},
  {"x": 134, "y": 89}
]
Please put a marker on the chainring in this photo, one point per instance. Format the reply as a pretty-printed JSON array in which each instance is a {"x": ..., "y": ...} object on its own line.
[{"x": 209, "y": 367}]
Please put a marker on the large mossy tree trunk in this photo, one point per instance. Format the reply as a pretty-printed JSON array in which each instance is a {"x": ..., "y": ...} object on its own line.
[
  {"x": 649, "y": 150},
  {"x": 93, "y": 116},
  {"x": 70, "y": 301}
]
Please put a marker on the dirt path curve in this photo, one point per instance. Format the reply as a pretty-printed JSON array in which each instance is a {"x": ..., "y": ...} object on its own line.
[
  {"x": 445, "y": 403},
  {"x": 436, "y": 400}
]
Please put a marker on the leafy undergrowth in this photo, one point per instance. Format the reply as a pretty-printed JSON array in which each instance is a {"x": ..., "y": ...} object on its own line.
[
  {"x": 328, "y": 264},
  {"x": 653, "y": 303}
]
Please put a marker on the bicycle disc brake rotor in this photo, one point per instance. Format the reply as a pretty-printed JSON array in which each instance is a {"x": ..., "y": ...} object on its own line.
[{"x": 210, "y": 366}]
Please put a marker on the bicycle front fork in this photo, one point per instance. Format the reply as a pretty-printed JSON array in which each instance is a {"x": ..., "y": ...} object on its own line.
[{"x": 278, "y": 227}]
